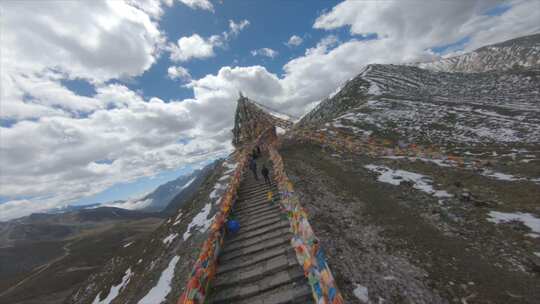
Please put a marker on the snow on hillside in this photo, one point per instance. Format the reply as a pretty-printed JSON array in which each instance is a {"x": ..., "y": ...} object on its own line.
[
  {"x": 202, "y": 221},
  {"x": 527, "y": 219},
  {"x": 168, "y": 254},
  {"x": 396, "y": 177},
  {"x": 522, "y": 52},
  {"x": 435, "y": 107},
  {"x": 158, "y": 293},
  {"x": 113, "y": 293}
]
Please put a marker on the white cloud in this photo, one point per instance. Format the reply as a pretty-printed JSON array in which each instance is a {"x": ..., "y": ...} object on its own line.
[
  {"x": 199, "y": 4},
  {"x": 198, "y": 47},
  {"x": 295, "y": 40},
  {"x": 151, "y": 7},
  {"x": 235, "y": 28},
  {"x": 192, "y": 47},
  {"x": 131, "y": 204},
  {"x": 57, "y": 160},
  {"x": 178, "y": 72},
  {"x": 267, "y": 52},
  {"x": 80, "y": 39},
  {"x": 407, "y": 28}
]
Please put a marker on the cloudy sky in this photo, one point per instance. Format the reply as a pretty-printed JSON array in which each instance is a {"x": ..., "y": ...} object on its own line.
[{"x": 104, "y": 100}]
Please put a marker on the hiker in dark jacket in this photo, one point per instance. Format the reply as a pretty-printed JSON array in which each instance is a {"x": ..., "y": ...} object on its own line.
[
  {"x": 266, "y": 174},
  {"x": 253, "y": 168}
]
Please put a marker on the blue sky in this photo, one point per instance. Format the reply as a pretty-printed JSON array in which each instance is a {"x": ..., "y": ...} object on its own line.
[
  {"x": 179, "y": 21},
  {"x": 90, "y": 112},
  {"x": 271, "y": 25}
]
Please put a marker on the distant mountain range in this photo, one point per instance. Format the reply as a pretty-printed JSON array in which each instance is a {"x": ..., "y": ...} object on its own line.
[
  {"x": 159, "y": 199},
  {"x": 70, "y": 242}
]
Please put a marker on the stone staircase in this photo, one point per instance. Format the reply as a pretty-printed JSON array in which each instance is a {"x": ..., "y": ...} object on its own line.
[{"x": 257, "y": 264}]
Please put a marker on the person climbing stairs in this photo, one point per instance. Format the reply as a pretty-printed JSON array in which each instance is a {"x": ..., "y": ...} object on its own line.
[{"x": 258, "y": 264}]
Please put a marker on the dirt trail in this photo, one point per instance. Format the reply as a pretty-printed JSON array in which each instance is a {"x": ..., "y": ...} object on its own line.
[{"x": 37, "y": 271}]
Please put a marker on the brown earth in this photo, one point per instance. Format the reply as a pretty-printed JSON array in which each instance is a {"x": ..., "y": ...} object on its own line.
[
  {"x": 407, "y": 247},
  {"x": 48, "y": 272}
]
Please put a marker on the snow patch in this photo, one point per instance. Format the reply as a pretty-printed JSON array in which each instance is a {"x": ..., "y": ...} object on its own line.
[
  {"x": 218, "y": 187},
  {"x": 395, "y": 177},
  {"x": 331, "y": 95},
  {"x": 500, "y": 176},
  {"x": 170, "y": 238},
  {"x": 280, "y": 131},
  {"x": 113, "y": 293},
  {"x": 230, "y": 166},
  {"x": 527, "y": 219},
  {"x": 178, "y": 219},
  {"x": 128, "y": 244},
  {"x": 158, "y": 293},
  {"x": 200, "y": 222},
  {"x": 438, "y": 162},
  {"x": 374, "y": 89},
  {"x": 187, "y": 184},
  {"x": 361, "y": 293}
]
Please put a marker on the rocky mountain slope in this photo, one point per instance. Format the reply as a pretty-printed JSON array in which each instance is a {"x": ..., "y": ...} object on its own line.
[
  {"x": 189, "y": 189},
  {"x": 154, "y": 270},
  {"x": 44, "y": 256},
  {"x": 419, "y": 105},
  {"x": 424, "y": 183},
  {"x": 158, "y": 200},
  {"x": 522, "y": 52}
]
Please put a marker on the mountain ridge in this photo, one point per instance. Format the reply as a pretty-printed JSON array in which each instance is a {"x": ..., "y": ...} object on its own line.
[{"x": 517, "y": 53}]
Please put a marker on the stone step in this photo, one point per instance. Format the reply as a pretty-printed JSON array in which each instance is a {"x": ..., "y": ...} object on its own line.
[
  {"x": 263, "y": 196},
  {"x": 248, "y": 211},
  {"x": 252, "y": 204},
  {"x": 249, "y": 173},
  {"x": 260, "y": 193},
  {"x": 262, "y": 201},
  {"x": 246, "y": 235},
  {"x": 246, "y": 202},
  {"x": 246, "y": 187},
  {"x": 251, "y": 289},
  {"x": 273, "y": 243},
  {"x": 248, "y": 221},
  {"x": 256, "y": 272},
  {"x": 263, "y": 193},
  {"x": 251, "y": 260},
  {"x": 258, "y": 264},
  {"x": 269, "y": 237},
  {"x": 256, "y": 226},
  {"x": 255, "y": 186},
  {"x": 260, "y": 216},
  {"x": 257, "y": 213},
  {"x": 294, "y": 293}
]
